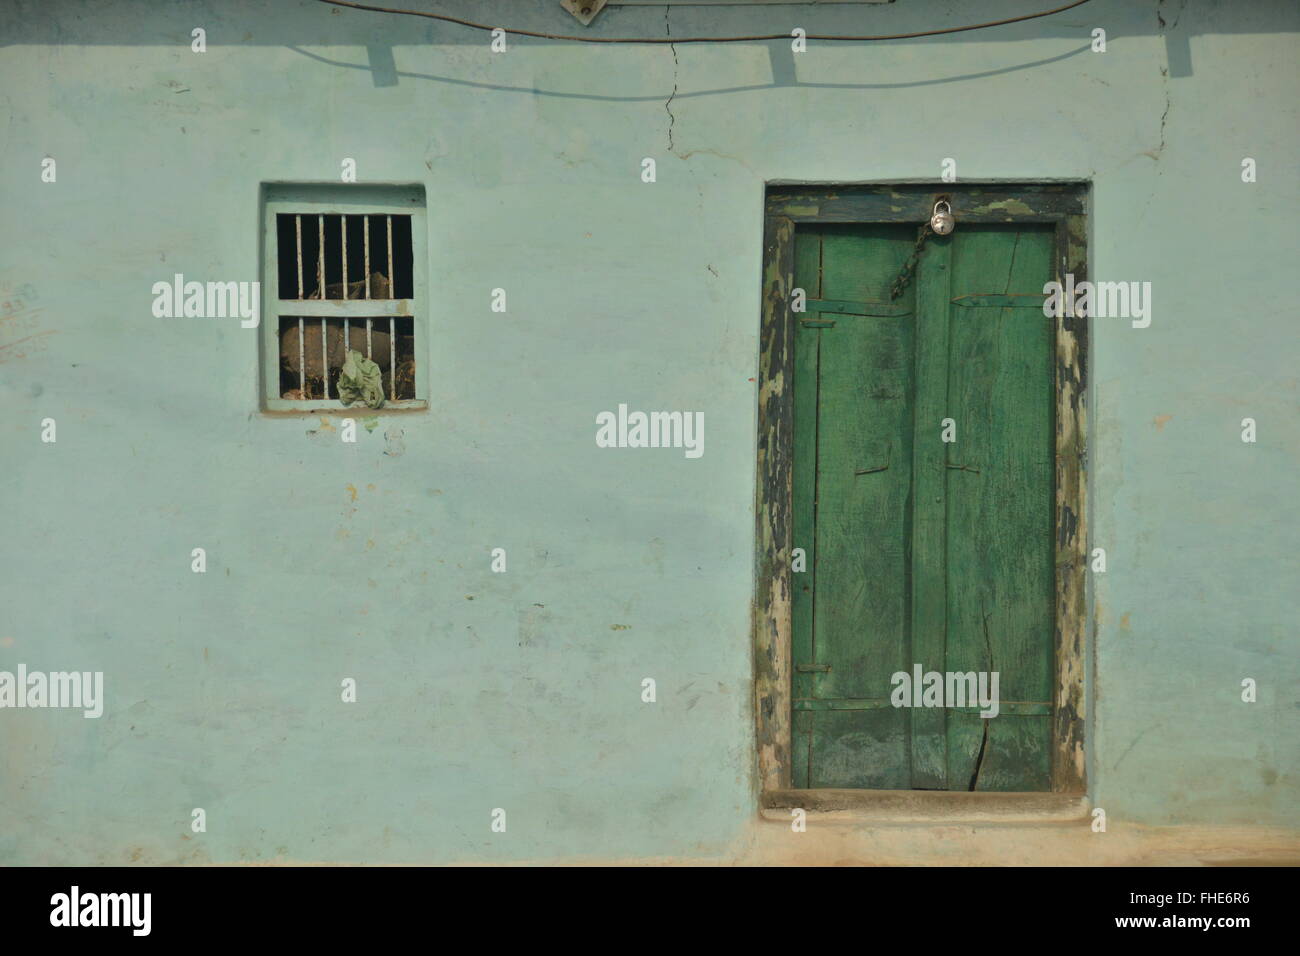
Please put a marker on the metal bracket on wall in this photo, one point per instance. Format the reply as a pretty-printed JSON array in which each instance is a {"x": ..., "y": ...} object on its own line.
[{"x": 583, "y": 10}]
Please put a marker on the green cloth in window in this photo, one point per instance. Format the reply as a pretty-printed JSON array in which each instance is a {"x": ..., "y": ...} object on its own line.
[{"x": 361, "y": 381}]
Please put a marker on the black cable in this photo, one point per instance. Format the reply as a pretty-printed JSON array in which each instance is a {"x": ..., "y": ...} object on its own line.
[{"x": 672, "y": 40}]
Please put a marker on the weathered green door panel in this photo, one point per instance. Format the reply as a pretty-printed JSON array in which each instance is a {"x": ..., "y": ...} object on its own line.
[
  {"x": 920, "y": 551},
  {"x": 1000, "y": 499},
  {"x": 852, "y": 438},
  {"x": 863, "y": 472}
]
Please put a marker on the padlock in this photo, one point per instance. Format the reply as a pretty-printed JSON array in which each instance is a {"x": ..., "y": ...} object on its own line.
[{"x": 941, "y": 221}]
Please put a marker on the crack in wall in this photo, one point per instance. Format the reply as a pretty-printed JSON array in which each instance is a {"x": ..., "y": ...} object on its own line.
[
  {"x": 672, "y": 120},
  {"x": 1164, "y": 78},
  {"x": 1164, "y": 117}
]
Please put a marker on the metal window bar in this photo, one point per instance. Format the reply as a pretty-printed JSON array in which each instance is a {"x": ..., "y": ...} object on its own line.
[
  {"x": 365, "y": 230},
  {"x": 320, "y": 291},
  {"x": 392, "y": 323},
  {"x": 297, "y": 229},
  {"x": 320, "y": 258},
  {"x": 302, "y": 339},
  {"x": 324, "y": 359}
]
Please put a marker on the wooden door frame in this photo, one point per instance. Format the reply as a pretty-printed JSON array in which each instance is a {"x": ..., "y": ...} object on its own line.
[{"x": 1061, "y": 204}]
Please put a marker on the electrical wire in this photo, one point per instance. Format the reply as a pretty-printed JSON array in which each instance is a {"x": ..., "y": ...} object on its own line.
[{"x": 674, "y": 40}]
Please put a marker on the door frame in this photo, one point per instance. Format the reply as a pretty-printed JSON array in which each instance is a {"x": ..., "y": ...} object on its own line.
[{"x": 1063, "y": 204}]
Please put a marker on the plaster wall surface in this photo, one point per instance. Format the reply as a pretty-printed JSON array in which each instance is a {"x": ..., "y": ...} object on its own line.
[{"x": 522, "y": 690}]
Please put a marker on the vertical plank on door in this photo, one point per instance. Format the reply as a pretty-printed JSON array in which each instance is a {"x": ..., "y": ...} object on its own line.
[
  {"x": 853, "y": 464},
  {"x": 999, "y": 548},
  {"x": 929, "y": 514},
  {"x": 863, "y": 484}
]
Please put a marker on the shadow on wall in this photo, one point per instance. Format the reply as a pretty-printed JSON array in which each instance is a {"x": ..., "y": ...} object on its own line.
[{"x": 385, "y": 73}]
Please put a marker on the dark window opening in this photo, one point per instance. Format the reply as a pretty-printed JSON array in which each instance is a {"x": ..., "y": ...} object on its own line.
[{"x": 305, "y": 268}]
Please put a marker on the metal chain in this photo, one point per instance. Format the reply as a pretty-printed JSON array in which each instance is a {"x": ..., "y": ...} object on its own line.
[{"x": 909, "y": 267}]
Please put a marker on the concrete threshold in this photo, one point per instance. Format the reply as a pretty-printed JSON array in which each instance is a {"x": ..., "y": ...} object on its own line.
[{"x": 925, "y": 806}]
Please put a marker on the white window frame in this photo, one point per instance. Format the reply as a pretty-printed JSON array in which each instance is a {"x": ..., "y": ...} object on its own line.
[{"x": 332, "y": 199}]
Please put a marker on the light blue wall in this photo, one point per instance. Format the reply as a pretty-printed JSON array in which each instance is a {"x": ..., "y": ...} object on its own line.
[{"x": 522, "y": 690}]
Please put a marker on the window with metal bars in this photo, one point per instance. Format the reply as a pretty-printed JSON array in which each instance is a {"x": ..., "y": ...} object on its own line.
[{"x": 344, "y": 274}]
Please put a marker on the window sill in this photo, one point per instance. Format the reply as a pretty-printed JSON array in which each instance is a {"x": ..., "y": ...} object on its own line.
[
  {"x": 335, "y": 407},
  {"x": 925, "y": 806}
]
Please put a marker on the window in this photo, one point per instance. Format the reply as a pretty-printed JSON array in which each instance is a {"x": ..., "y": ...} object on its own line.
[
  {"x": 920, "y": 445},
  {"x": 345, "y": 303}
]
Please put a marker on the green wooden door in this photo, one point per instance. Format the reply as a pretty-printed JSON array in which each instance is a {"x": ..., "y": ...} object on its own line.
[{"x": 920, "y": 550}]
